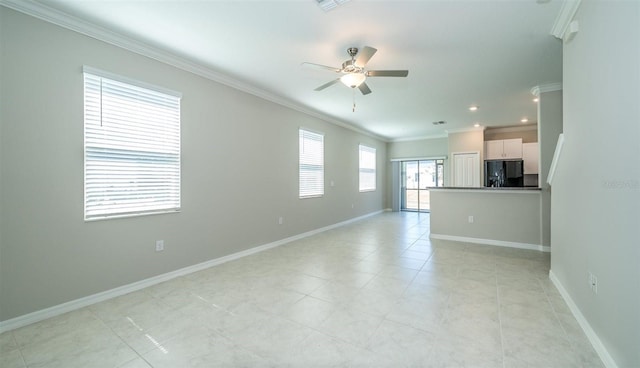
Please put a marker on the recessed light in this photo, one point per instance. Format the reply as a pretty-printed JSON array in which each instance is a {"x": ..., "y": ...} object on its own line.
[
  {"x": 524, "y": 120},
  {"x": 477, "y": 125},
  {"x": 536, "y": 99},
  {"x": 473, "y": 108}
]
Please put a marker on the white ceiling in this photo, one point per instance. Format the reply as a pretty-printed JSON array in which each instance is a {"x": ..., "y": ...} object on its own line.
[{"x": 458, "y": 53}]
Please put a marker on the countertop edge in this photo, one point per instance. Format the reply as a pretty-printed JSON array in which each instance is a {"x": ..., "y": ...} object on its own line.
[{"x": 489, "y": 189}]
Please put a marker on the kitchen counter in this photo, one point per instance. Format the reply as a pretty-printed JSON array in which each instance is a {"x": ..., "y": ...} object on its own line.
[
  {"x": 489, "y": 189},
  {"x": 503, "y": 216}
]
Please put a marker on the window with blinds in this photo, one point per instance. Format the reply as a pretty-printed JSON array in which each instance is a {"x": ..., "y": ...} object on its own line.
[
  {"x": 311, "y": 164},
  {"x": 131, "y": 147},
  {"x": 367, "y": 168}
]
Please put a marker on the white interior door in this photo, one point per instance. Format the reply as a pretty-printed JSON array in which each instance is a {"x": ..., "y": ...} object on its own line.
[{"x": 466, "y": 169}]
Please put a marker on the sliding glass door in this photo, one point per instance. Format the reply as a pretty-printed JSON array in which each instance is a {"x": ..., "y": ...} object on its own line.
[{"x": 416, "y": 177}]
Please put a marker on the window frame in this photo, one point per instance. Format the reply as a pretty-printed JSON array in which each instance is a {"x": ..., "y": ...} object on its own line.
[
  {"x": 132, "y": 159},
  {"x": 307, "y": 191},
  {"x": 364, "y": 149}
]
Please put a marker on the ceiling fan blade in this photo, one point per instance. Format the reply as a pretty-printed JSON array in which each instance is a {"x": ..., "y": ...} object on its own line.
[
  {"x": 329, "y": 84},
  {"x": 364, "y": 55},
  {"x": 320, "y": 66},
  {"x": 364, "y": 88},
  {"x": 387, "y": 73}
]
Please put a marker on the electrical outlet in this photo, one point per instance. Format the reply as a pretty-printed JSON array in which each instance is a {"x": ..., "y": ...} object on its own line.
[
  {"x": 471, "y": 219},
  {"x": 159, "y": 245},
  {"x": 353, "y": 205},
  {"x": 280, "y": 220}
]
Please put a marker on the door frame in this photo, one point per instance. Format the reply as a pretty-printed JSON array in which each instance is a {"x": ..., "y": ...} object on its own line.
[
  {"x": 452, "y": 179},
  {"x": 396, "y": 186},
  {"x": 402, "y": 189}
]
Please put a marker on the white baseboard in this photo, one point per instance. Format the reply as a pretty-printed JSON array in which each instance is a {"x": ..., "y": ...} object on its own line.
[
  {"x": 598, "y": 346},
  {"x": 499, "y": 243},
  {"x": 57, "y": 310}
]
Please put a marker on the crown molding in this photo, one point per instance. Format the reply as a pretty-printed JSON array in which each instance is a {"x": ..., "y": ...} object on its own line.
[
  {"x": 59, "y": 18},
  {"x": 520, "y": 128},
  {"x": 567, "y": 12},
  {"x": 549, "y": 87},
  {"x": 421, "y": 138},
  {"x": 465, "y": 130}
]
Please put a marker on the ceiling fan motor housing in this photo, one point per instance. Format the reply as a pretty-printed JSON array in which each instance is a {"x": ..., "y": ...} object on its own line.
[{"x": 350, "y": 67}]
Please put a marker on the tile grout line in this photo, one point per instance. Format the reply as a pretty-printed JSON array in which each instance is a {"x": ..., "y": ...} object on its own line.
[
  {"x": 504, "y": 363},
  {"x": 555, "y": 314},
  {"x": 13, "y": 337},
  {"x": 122, "y": 340}
]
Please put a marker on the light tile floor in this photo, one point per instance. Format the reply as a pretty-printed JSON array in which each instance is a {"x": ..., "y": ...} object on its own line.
[{"x": 376, "y": 293}]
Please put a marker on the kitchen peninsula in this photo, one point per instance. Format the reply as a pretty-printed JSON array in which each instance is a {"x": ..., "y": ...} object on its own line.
[{"x": 505, "y": 216}]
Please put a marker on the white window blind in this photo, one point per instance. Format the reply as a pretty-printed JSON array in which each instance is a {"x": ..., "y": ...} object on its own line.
[
  {"x": 311, "y": 164},
  {"x": 367, "y": 168},
  {"x": 131, "y": 148}
]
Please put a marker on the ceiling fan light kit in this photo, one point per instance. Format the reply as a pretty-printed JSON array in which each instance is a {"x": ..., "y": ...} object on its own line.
[
  {"x": 353, "y": 72},
  {"x": 353, "y": 80}
]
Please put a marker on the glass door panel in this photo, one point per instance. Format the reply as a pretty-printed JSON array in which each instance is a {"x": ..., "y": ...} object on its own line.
[
  {"x": 417, "y": 177},
  {"x": 410, "y": 178}
]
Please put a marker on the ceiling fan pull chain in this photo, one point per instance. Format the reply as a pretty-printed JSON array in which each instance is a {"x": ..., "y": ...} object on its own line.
[{"x": 354, "y": 99}]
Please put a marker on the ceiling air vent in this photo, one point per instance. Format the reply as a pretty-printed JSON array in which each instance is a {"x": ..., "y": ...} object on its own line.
[
  {"x": 439, "y": 122},
  {"x": 327, "y": 5}
]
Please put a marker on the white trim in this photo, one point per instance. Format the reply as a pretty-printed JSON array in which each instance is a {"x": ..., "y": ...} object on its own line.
[
  {"x": 138, "y": 83},
  {"x": 464, "y": 130},
  {"x": 59, "y": 309},
  {"x": 549, "y": 87},
  {"x": 597, "y": 344},
  {"x": 574, "y": 27},
  {"x": 419, "y": 158},
  {"x": 556, "y": 158},
  {"x": 59, "y": 18},
  {"x": 509, "y": 129},
  {"x": 422, "y": 138},
  {"x": 310, "y": 130},
  {"x": 567, "y": 12},
  {"x": 499, "y": 243}
]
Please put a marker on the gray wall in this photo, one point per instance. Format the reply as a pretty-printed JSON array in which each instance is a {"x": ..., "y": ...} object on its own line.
[
  {"x": 412, "y": 149},
  {"x": 49, "y": 255},
  {"x": 550, "y": 127},
  {"x": 497, "y": 215},
  {"x": 528, "y": 136},
  {"x": 595, "y": 198},
  {"x": 419, "y": 148}
]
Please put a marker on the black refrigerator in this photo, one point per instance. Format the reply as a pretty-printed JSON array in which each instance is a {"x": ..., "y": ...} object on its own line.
[{"x": 503, "y": 173}]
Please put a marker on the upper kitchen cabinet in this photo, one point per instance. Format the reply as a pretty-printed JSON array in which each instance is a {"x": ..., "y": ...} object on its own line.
[
  {"x": 530, "y": 153},
  {"x": 503, "y": 149}
]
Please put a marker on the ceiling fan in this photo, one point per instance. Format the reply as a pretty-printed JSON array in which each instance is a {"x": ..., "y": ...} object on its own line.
[{"x": 353, "y": 71}]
